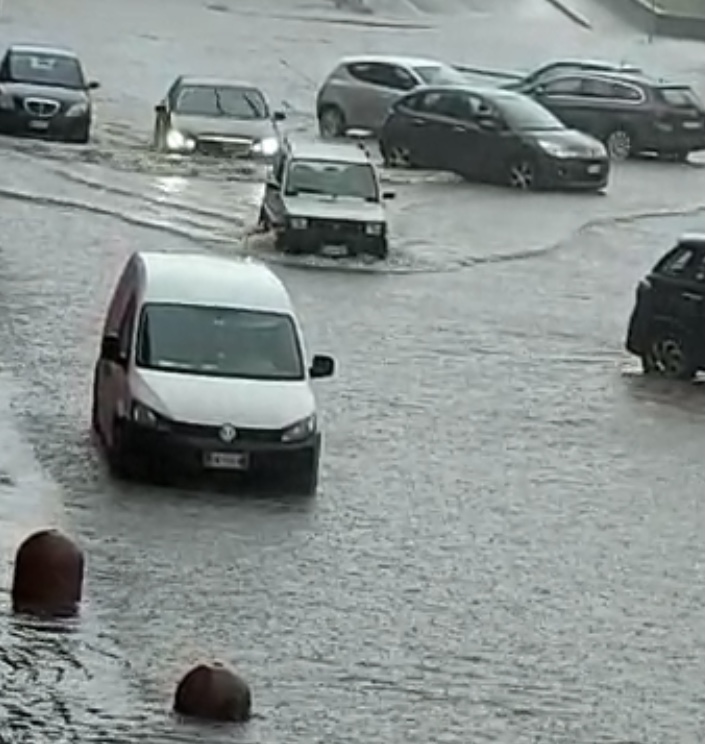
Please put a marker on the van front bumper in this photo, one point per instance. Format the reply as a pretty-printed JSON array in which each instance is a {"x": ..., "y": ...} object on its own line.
[{"x": 185, "y": 453}]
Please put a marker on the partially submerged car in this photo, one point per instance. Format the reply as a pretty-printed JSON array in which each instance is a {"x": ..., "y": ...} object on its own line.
[
  {"x": 359, "y": 91},
  {"x": 219, "y": 117},
  {"x": 667, "y": 326},
  {"x": 494, "y": 135},
  {"x": 326, "y": 199},
  {"x": 44, "y": 93}
]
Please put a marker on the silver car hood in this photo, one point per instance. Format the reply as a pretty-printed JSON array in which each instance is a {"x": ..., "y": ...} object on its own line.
[
  {"x": 331, "y": 208},
  {"x": 224, "y": 126}
]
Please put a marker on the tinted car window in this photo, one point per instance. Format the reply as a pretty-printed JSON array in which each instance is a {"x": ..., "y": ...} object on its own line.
[
  {"x": 525, "y": 114},
  {"x": 386, "y": 76},
  {"x": 239, "y": 103},
  {"x": 45, "y": 69},
  {"x": 596, "y": 88},
  {"x": 676, "y": 263},
  {"x": 699, "y": 269},
  {"x": 567, "y": 86},
  {"x": 439, "y": 75},
  {"x": 452, "y": 104}
]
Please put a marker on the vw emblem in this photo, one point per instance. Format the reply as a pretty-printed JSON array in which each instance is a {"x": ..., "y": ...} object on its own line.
[{"x": 227, "y": 433}]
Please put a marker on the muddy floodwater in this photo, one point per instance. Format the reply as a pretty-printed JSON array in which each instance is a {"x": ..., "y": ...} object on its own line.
[{"x": 508, "y": 540}]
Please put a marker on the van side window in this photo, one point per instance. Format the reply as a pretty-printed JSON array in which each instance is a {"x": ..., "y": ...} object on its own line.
[{"x": 127, "y": 325}]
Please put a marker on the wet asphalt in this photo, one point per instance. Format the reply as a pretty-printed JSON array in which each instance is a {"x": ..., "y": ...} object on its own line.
[{"x": 507, "y": 543}]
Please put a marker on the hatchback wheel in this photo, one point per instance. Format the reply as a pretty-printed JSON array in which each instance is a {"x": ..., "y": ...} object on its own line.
[
  {"x": 619, "y": 144},
  {"x": 397, "y": 157},
  {"x": 522, "y": 175},
  {"x": 670, "y": 357},
  {"x": 331, "y": 122}
]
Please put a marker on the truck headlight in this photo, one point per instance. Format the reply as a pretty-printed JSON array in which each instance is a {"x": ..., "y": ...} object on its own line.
[
  {"x": 374, "y": 228},
  {"x": 301, "y": 429},
  {"x": 77, "y": 109},
  {"x": 298, "y": 223},
  {"x": 177, "y": 141},
  {"x": 267, "y": 146}
]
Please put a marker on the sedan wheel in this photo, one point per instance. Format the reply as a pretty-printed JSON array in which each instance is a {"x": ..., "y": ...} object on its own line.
[
  {"x": 522, "y": 175},
  {"x": 669, "y": 357},
  {"x": 619, "y": 145},
  {"x": 398, "y": 157}
]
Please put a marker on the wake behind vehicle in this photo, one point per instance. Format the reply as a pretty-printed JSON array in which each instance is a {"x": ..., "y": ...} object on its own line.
[
  {"x": 631, "y": 113},
  {"x": 202, "y": 369},
  {"x": 491, "y": 134},
  {"x": 359, "y": 91},
  {"x": 667, "y": 326},
  {"x": 326, "y": 199},
  {"x": 44, "y": 93},
  {"x": 218, "y": 117}
]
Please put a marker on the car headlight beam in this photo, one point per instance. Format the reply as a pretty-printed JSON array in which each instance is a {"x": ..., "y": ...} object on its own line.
[
  {"x": 267, "y": 146},
  {"x": 175, "y": 140}
]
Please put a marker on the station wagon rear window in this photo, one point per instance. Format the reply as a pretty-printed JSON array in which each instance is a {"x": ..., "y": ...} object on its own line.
[
  {"x": 46, "y": 69},
  {"x": 680, "y": 97}
]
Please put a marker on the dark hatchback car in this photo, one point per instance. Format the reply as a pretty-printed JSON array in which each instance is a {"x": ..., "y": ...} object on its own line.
[
  {"x": 491, "y": 135},
  {"x": 667, "y": 326},
  {"x": 632, "y": 114},
  {"x": 44, "y": 93}
]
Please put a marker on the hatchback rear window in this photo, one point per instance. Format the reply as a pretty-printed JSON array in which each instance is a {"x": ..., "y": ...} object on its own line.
[{"x": 680, "y": 97}]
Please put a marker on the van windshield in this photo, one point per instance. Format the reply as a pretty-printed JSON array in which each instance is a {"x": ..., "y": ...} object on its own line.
[{"x": 219, "y": 342}]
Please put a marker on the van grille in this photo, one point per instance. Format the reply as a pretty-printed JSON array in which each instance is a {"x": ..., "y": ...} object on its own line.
[{"x": 212, "y": 432}]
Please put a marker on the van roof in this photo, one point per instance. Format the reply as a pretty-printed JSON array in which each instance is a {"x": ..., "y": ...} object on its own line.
[{"x": 216, "y": 281}]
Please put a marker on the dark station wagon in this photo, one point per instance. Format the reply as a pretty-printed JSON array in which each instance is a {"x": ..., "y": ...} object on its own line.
[
  {"x": 631, "y": 113},
  {"x": 667, "y": 326}
]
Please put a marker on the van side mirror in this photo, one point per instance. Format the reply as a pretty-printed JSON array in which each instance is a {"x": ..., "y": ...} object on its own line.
[
  {"x": 279, "y": 116},
  {"x": 93, "y": 85},
  {"x": 388, "y": 195},
  {"x": 322, "y": 366},
  {"x": 160, "y": 108},
  {"x": 110, "y": 349}
]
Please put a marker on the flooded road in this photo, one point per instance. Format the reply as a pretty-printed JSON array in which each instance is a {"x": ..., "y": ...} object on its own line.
[{"x": 507, "y": 544}]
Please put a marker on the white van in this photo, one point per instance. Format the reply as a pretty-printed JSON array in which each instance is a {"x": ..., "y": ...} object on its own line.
[{"x": 202, "y": 367}]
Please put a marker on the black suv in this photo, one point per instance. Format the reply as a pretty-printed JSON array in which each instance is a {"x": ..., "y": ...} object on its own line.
[
  {"x": 667, "y": 327},
  {"x": 631, "y": 113}
]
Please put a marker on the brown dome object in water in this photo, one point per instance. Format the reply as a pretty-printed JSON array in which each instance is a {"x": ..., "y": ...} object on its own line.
[
  {"x": 48, "y": 575},
  {"x": 212, "y": 692}
]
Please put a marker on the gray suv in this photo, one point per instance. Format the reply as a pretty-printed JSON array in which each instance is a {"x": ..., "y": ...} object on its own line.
[{"x": 360, "y": 90}]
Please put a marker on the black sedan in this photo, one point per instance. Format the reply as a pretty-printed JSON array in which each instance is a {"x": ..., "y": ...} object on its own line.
[
  {"x": 44, "y": 93},
  {"x": 491, "y": 135}
]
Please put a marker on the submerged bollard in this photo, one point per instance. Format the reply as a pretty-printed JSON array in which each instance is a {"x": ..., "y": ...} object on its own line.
[
  {"x": 214, "y": 693},
  {"x": 48, "y": 576}
]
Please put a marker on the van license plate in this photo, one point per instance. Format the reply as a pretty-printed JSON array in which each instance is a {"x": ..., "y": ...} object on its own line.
[
  {"x": 38, "y": 125},
  {"x": 334, "y": 251},
  {"x": 227, "y": 460},
  {"x": 594, "y": 168}
]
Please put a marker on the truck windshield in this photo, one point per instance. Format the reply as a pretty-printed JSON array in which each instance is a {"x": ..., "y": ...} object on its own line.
[{"x": 219, "y": 342}]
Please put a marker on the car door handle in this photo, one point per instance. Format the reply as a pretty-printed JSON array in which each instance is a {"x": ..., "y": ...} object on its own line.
[
  {"x": 418, "y": 122},
  {"x": 692, "y": 297},
  {"x": 458, "y": 128}
]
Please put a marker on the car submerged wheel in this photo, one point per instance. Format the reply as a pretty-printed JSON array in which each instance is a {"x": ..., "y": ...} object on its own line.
[
  {"x": 331, "y": 122},
  {"x": 397, "y": 157},
  {"x": 619, "y": 144},
  {"x": 522, "y": 175},
  {"x": 669, "y": 356}
]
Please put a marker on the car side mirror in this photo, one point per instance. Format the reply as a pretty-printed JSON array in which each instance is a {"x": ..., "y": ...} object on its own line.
[
  {"x": 388, "y": 195},
  {"x": 322, "y": 366},
  {"x": 93, "y": 85},
  {"x": 110, "y": 349},
  {"x": 538, "y": 90},
  {"x": 160, "y": 108},
  {"x": 279, "y": 116}
]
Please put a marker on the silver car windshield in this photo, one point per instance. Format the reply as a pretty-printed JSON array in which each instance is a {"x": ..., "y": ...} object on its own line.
[
  {"x": 355, "y": 180},
  {"x": 219, "y": 342},
  {"x": 440, "y": 75},
  {"x": 238, "y": 103},
  {"x": 46, "y": 69},
  {"x": 525, "y": 114}
]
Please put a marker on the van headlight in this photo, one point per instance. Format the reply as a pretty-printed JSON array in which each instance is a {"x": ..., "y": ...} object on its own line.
[
  {"x": 301, "y": 429},
  {"x": 143, "y": 415},
  {"x": 374, "y": 228},
  {"x": 298, "y": 223},
  {"x": 78, "y": 109},
  {"x": 267, "y": 146},
  {"x": 177, "y": 141}
]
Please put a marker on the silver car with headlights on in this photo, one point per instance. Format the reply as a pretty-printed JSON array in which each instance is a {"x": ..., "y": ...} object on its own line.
[{"x": 217, "y": 117}]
